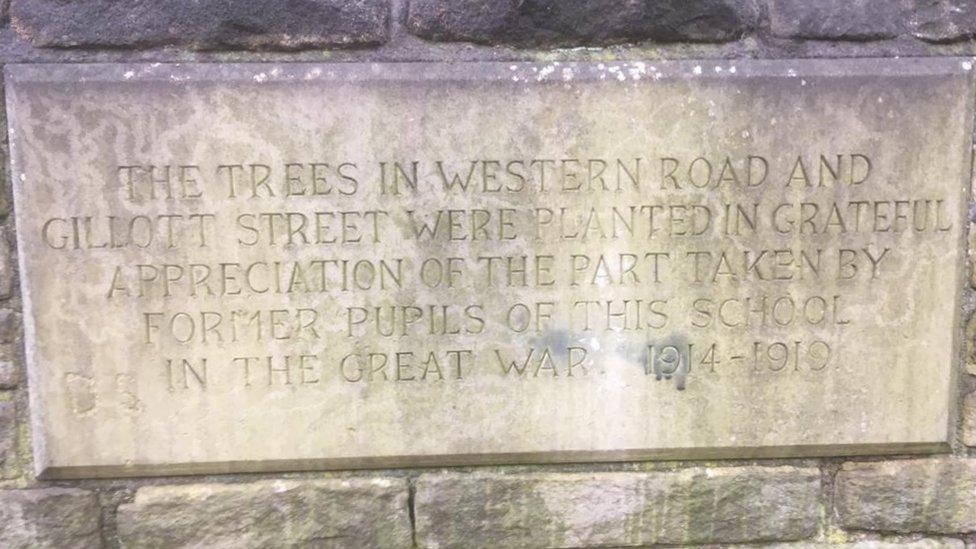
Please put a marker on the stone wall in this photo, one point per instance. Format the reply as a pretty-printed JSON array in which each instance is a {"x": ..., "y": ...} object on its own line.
[{"x": 870, "y": 502}]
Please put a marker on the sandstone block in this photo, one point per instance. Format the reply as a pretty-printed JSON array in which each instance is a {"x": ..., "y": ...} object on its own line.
[
  {"x": 221, "y": 24},
  {"x": 578, "y": 22},
  {"x": 327, "y": 513},
  {"x": 55, "y": 518},
  {"x": 917, "y": 495},
  {"x": 836, "y": 19},
  {"x": 969, "y": 419},
  {"x": 943, "y": 20},
  {"x": 725, "y": 505},
  {"x": 8, "y": 438}
]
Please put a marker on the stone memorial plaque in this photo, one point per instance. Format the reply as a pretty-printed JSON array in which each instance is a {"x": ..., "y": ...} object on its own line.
[{"x": 272, "y": 267}]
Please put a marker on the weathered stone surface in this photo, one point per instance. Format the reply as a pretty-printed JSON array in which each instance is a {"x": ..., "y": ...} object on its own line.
[
  {"x": 252, "y": 24},
  {"x": 8, "y": 439},
  {"x": 7, "y": 267},
  {"x": 6, "y": 199},
  {"x": 9, "y": 326},
  {"x": 971, "y": 345},
  {"x": 943, "y": 20},
  {"x": 728, "y": 259},
  {"x": 837, "y": 19},
  {"x": 9, "y": 378},
  {"x": 972, "y": 253},
  {"x": 9, "y": 372},
  {"x": 919, "y": 495},
  {"x": 49, "y": 518},
  {"x": 574, "y": 22},
  {"x": 892, "y": 543},
  {"x": 722, "y": 505},
  {"x": 969, "y": 419},
  {"x": 316, "y": 513}
]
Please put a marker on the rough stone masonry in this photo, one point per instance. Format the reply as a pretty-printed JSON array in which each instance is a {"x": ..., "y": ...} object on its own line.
[{"x": 909, "y": 499}]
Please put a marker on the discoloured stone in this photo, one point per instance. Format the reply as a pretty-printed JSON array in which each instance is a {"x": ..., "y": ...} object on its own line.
[
  {"x": 972, "y": 250},
  {"x": 49, "y": 518},
  {"x": 9, "y": 372},
  {"x": 887, "y": 543},
  {"x": 837, "y": 19},
  {"x": 9, "y": 326},
  {"x": 215, "y": 24},
  {"x": 316, "y": 513},
  {"x": 9, "y": 378},
  {"x": 969, "y": 419},
  {"x": 919, "y": 495},
  {"x": 725, "y": 505},
  {"x": 8, "y": 439},
  {"x": 664, "y": 267},
  {"x": 944, "y": 20},
  {"x": 7, "y": 267},
  {"x": 575, "y": 22},
  {"x": 971, "y": 345}
]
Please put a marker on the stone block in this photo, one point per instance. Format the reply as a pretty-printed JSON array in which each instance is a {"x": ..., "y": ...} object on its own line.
[
  {"x": 9, "y": 369},
  {"x": 970, "y": 344},
  {"x": 10, "y": 322},
  {"x": 943, "y": 20},
  {"x": 969, "y": 419},
  {"x": 49, "y": 518},
  {"x": 884, "y": 543},
  {"x": 8, "y": 268},
  {"x": 283, "y": 513},
  {"x": 836, "y": 19},
  {"x": 580, "y": 22},
  {"x": 217, "y": 24},
  {"x": 8, "y": 439},
  {"x": 917, "y": 495},
  {"x": 691, "y": 506}
]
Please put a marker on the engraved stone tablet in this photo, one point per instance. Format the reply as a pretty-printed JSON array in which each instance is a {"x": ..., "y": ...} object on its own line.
[{"x": 271, "y": 267}]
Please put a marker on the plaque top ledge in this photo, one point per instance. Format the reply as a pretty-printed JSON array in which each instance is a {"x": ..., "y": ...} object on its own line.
[{"x": 516, "y": 71}]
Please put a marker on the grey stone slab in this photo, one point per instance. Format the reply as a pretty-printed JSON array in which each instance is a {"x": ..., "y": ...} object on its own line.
[{"x": 225, "y": 267}]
